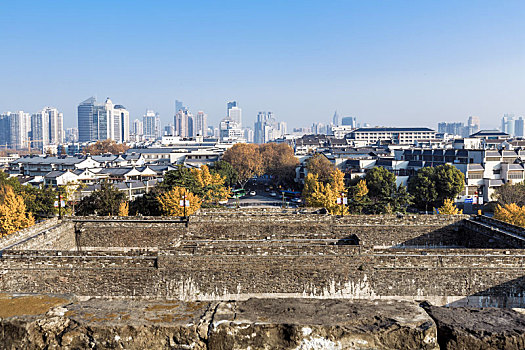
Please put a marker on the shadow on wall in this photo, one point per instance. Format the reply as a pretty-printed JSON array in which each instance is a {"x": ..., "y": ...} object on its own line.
[
  {"x": 349, "y": 240},
  {"x": 510, "y": 294},
  {"x": 454, "y": 236}
]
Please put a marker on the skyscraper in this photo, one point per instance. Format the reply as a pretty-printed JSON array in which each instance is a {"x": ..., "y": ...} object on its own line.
[
  {"x": 19, "y": 125},
  {"x": 518, "y": 127},
  {"x": 473, "y": 125},
  {"x": 137, "y": 128},
  {"x": 179, "y": 106},
  {"x": 335, "y": 119},
  {"x": 267, "y": 129},
  {"x": 350, "y": 121},
  {"x": 200, "y": 125},
  {"x": 151, "y": 125},
  {"x": 183, "y": 121},
  {"x": 507, "y": 124},
  {"x": 102, "y": 121},
  {"x": 234, "y": 113}
]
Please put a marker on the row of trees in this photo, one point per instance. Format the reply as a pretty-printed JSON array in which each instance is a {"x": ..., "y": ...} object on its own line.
[
  {"x": 378, "y": 191},
  {"x": 249, "y": 160},
  {"x": 199, "y": 187}
]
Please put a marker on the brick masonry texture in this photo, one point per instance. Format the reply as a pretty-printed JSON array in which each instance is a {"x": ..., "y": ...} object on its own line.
[{"x": 229, "y": 255}]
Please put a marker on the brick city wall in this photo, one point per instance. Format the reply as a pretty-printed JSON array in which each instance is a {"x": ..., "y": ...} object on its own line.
[{"x": 275, "y": 254}]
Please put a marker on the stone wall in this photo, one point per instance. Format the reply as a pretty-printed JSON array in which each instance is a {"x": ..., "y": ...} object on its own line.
[
  {"x": 25, "y": 234},
  {"x": 444, "y": 277},
  {"x": 377, "y": 230}
]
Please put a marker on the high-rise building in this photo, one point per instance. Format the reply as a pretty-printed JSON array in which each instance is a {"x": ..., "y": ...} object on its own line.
[
  {"x": 102, "y": 121},
  {"x": 179, "y": 106},
  {"x": 473, "y": 124},
  {"x": 350, "y": 121},
  {"x": 507, "y": 124},
  {"x": 230, "y": 131},
  {"x": 4, "y": 130},
  {"x": 151, "y": 125},
  {"x": 183, "y": 121},
  {"x": 518, "y": 127},
  {"x": 137, "y": 128},
  {"x": 169, "y": 130},
  {"x": 71, "y": 135},
  {"x": 235, "y": 113},
  {"x": 200, "y": 124},
  {"x": 266, "y": 128},
  {"x": 19, "y": 126},
  {"x": 335, "y": 119},
  {"x": 452, "y": 129}
]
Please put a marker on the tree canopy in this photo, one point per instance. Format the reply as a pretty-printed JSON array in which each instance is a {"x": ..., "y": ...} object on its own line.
[
  {"x": 319, "y": 165},
  {"x": 432, "y": 185},
  {"x": 105, "y": 146},
  {"x": 13, "y": 213},
  {"x": 510, "y": 193},
  {"x": 170, "y": 202},
  {"x": 279, "y": 161},
  {"x": 385, "y": 196},
  {"x": 105, "y": 201},
  {"x": 245, "y": 158}
]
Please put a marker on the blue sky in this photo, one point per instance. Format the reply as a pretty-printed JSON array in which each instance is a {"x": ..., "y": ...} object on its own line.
[{"x": 407, "y": 63}]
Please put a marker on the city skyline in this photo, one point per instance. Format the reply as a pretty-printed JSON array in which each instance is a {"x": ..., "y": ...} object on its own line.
[{"x": 412, "y": 63}]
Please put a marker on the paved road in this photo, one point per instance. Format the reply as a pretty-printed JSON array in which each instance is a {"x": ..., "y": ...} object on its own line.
[{"x": 257, "y": 200}]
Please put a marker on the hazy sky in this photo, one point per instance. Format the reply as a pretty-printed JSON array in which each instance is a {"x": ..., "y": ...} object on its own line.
[{"x": 406, "y": 63}]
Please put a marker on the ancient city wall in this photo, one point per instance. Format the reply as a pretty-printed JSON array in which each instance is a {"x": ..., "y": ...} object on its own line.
[{"x": 443, "y": 277}]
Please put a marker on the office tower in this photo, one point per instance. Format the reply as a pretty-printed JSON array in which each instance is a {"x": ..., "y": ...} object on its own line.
[
  {"x": 151, "y": 125},
  {"x": 120, "y": 124},
  {"x": 19, "y": 126},
  {"x": 40, "y": 130},
  {"x": 179, "y": 106},
  {"x": 169, "y": 130},
  {"x": 230, "y": 131},
  {"x": 518, "y": 127},
  {"x": 266, "y": 128},
  {"x": 474, "y": 125},
  {"x": 71, "y": 135},
  {"x": 335, "y": 119},
  {"x": 230, "y": 105},
  {"x": 102, "y": 121},
  {"x": 351, "y": 121},
  {"x": 137, "y": 128},
  {"x": 200, "y": 124},
  {"x": 507, "y": 124},
  {"x": 183, "y": 121},
  {"x": 453, "y": 129},
  {"x": 248, "y": 134},
  {"x": 235, "y": 113},
  {"x": 4, "y": 130},
  {"x": 283, "y": 128}
]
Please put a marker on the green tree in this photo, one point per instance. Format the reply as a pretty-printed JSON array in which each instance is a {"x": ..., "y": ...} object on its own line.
[
  {"x": 320, "y": 165},
  {"x": 225, "y": 170},
  {"x": 103, "y": 202},
  {"x": 431, "y": 186},
  {"x": 423, "y": 187},
  {"x": 383, "y": 192},
  {"x": 449, "y": 182},
  {"x": 381, "y": 183},
  {"x": 147, "y": 204}
]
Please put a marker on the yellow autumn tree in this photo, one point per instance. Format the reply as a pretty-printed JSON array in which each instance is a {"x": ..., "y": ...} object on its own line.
[
  {"x": 170, "y": 202},
  {"x": 511, "y": 213},
  {"x": 449, "y": 208},
  {"x": 13, "y": 215},
  {"x": 362, "y": 190},
  {"x": 212, "y": 186},
  {"x": 317, "y": 194},
  {"x": 123, "y": 209}
]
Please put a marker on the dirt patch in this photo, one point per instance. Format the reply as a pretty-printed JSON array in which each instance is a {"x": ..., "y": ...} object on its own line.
[{"x": 28, "y": 305}]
